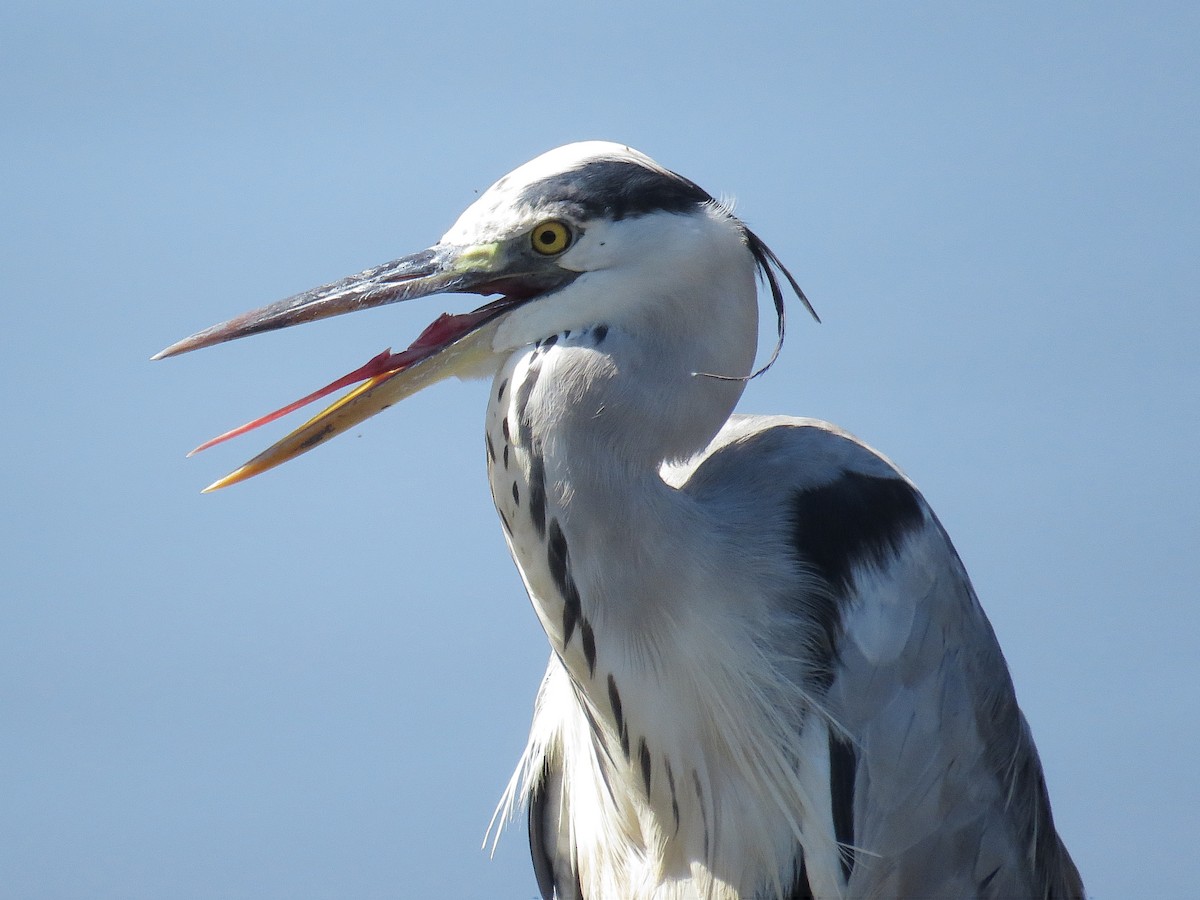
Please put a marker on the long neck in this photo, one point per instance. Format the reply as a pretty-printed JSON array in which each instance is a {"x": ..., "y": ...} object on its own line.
[
  {"x": 619, "y": 567},
  {"x": 608, "y": 380},
  {"x": 612, "y": 377},
  {"x": 650, "y": 606}
]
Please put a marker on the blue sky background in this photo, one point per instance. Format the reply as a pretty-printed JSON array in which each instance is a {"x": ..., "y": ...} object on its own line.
[{"x": 315, "y": 685}]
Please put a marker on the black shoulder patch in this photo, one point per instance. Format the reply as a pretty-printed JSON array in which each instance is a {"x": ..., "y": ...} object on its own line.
[
  {"x": 853, "y": 520},
  {"x": 616, "y": 189}
]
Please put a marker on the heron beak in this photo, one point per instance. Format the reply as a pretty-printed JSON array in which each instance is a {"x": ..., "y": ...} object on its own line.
[
  {"x": 453, "y": 344},
  {"x": 433, "y": 271}
]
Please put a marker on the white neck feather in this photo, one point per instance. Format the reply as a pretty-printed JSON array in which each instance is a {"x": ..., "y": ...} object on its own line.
[{"x": 579, "y": 427}]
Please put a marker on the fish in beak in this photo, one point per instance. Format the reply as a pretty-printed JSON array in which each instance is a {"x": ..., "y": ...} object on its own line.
[{"x": 451, "y": 345}]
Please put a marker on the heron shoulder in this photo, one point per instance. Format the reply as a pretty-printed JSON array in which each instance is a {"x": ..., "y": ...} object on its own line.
[
  {"x": 838, "y": 508},
  {"x": 929, "y": 754},
  {"x": 807, "y": 453}
]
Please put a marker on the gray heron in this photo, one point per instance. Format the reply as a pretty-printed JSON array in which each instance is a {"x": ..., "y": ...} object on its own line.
[{"x": 770, "y": 676}]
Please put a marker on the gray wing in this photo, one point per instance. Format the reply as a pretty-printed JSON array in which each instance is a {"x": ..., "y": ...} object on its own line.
[
  {"x": 936, "y": 789},
  {"x": 940, "y": 777},
  {"x": 934, "y": 786}
]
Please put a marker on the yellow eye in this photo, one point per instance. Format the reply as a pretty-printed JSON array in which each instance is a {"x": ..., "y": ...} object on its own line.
[{"x": 550, "y": 237}]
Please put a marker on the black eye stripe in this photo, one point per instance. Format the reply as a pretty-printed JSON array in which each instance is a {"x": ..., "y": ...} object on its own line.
[{"x": 615, "y": 189}]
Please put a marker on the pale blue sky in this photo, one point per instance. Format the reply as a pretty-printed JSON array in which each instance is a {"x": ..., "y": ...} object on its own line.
[{"x": 316, "y": 685}]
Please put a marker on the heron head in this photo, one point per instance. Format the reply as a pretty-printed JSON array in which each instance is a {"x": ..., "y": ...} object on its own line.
[{"x": 592, "y": 211}]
